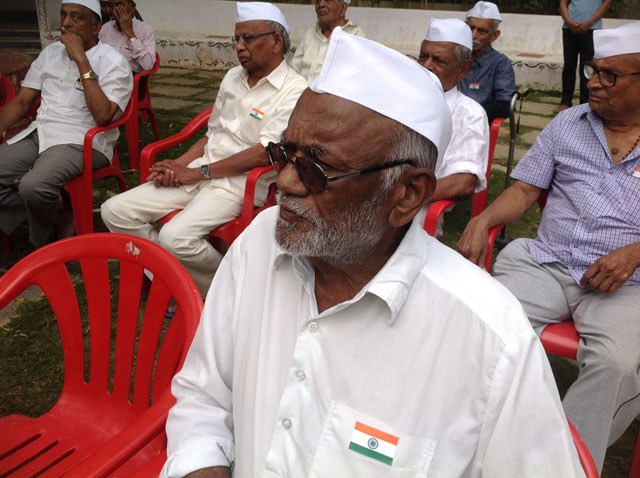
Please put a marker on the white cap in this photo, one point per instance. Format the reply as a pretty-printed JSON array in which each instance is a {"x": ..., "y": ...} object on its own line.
[
  {"x": 485, "y": 10},
  {"x": 260, "y": 11},
  {"x": 450, "y": 30},
  {"x": 93, "y": 5},
  {"x": 388, "y": 82},
  {"x": 617, "y": 41}
]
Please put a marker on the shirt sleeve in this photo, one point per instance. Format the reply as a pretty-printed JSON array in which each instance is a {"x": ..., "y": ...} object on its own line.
[
  {"x": 504, "y": 80},
  {"x": 115, "y": 78},
  {"x": 296, "y": 61},
  {"x": 143, "y": 49},
  {"x": 200, "y": 424},
  {"x": 538, "y": 165},
  {"x": 279, "y": 118},
  {"x": 33, "y": 79},
  {"x": 525, "y": 432},
  {"x": 468, "y": 151}
]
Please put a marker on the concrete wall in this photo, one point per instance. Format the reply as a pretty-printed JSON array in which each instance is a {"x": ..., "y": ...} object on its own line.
[{"x": 195, "y": 33}]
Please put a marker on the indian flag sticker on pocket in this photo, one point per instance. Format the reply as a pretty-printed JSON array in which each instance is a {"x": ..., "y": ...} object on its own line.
[
  {"x": 474, "y": 86},
  {"x": 636, "y": 173},
  {"x": 374, "y": 443},
  {"x": 256, "y": 113}
]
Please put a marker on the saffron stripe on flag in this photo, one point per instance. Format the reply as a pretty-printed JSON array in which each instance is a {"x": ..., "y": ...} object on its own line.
[
  {"x": 370, "y": 453},
  {"x": 374, "y": 432}
]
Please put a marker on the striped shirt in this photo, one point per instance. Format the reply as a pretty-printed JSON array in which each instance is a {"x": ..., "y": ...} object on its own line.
[{"x": 593, "y": 206}]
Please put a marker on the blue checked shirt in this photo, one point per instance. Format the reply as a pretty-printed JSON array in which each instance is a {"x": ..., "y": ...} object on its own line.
[
  {"x": 491, "y": 78},
  {"x": 593, "y": 207}
]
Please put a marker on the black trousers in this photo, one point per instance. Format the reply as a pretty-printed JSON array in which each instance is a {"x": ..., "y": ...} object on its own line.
[{"x": 572, "y": 46}]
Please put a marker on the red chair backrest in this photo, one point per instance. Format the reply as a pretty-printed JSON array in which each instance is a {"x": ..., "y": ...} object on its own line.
[{"x": 7, "y": 91}]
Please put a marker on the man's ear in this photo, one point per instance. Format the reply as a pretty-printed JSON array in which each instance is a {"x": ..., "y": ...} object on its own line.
[
  {"x": 464, "y": 70},
  {"x": 496, "y": 34},
  {"x": 412, "y": 191},
  {"x": 278, "y": 43}
]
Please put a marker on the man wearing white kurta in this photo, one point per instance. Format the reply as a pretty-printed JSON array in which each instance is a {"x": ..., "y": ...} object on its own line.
[
  {"x": 252, "y": 108},
  {"x": 352, "y": 344},
  {"x": 446, "y": 52},
  {"x": 310, "y": 52},
  {"x": 82, "y": 83}
]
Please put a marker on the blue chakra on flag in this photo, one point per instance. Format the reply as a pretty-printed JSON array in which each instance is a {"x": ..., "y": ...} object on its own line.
[{"x": 372, "y": 443}]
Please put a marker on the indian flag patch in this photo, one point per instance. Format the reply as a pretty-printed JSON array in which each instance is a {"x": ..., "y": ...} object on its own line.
[
  {"x": 636, "y": 173},
  {"x": 79, "y": 86},
  {"x": 256, "y": 113},
  {"x": 474, "y": 86},
  {"x": 374, "y": 443}
]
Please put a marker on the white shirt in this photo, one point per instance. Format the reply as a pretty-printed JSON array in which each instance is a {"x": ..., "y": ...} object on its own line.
[
  {"x": 310, "y": 52},
  {"x": 141, "y": 52},
  {"x": 63, "y": 116},
  {"x": 432, "y": 351},
  {"x": 468, "y": 150},
  {"x": 243, "y": 117}
]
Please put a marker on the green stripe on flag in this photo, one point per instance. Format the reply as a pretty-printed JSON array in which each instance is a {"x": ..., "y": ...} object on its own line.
[{"x": 370, "y": 453}]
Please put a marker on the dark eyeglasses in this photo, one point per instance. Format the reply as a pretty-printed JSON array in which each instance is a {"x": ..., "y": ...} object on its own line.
[
  {"x": 310, "y": 173},
  {"x": 247, "y": 37},
  {"x": 605, "y": 77}
]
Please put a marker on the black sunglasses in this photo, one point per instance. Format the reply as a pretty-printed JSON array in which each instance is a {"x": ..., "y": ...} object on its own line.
[
  {"x": 311, "y": 173},
  {"x": 247, "y": 37},
  {"x": 606, "y": 78}
]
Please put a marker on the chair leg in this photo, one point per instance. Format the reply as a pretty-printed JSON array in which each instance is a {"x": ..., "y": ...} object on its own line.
[
  {"x": 132, "y": 130},
  {"x": 151, "y": 117}
]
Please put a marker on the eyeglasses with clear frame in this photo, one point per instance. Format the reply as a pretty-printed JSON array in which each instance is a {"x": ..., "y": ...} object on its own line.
[
  {"x": 311, "y": 173},
  {"x": 607, "y": 78},
  {"x": 247, "y": 37}
]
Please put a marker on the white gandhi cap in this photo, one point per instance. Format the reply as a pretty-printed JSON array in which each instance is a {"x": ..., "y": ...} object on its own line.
[
  {"x": 260, "y": 11},
  {"x": 450, "y": 30},
  {"x": 485, "y": 10},
  {"x": 93, "y": 5},
  {"x": 387, "y": 82},
  {"x": 617, "y": 41}
]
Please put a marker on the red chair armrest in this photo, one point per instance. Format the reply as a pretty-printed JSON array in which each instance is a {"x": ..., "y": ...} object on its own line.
[
  {"x": 246, "y": 216},
  {"x": 149, "y": 153},
  {"x": 434, "y": 212},
  {"x": 561, "y": 339},
  {"x": 127, "y": 443}
]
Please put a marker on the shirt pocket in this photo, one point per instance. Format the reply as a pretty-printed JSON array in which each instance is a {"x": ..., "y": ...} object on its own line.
[
  {"x": 356, "y": 445},
  {"x": 76, "y": 98},
  {"x": 250, "y": 126}
]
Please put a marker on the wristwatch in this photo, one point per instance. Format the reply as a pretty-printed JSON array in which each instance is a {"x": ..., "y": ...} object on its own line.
[
  {"x": 204, "y": 170},
  {"x": 89, "y": 75}
]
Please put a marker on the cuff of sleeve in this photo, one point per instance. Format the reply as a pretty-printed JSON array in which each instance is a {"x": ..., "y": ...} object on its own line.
[
  {"x": 469, "y": 167},
  {"x": 197, "y": 455}
]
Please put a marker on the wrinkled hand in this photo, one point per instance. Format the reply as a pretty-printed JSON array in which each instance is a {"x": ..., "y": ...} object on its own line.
[
  {"x": 124, "y": 17},
  {"x": 74, "y": 45},
  {"x": 473, "y": 242},
  {"x": 609, "y": 272},
  {"x": 169, "y": 173}
]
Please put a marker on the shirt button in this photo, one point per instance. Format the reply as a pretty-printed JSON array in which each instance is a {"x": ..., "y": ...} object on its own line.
[
  {"x": 286, "y": 423},
  {"x": 584, "y": 218},
  {"x": 313, "y": 326},
  {"x": 611, "y": 171},
  {"x": 599, "y": 193},
  {"x": 300, "y": 375},
  {"x": 575, "y": 245}
]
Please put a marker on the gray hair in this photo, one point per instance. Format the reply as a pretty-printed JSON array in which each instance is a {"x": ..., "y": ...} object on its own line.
[
  {"x": 462, "y": 55},
  {"x": 408, "y": 144},
  {"x": 276, "y": 27},
  {"x": 495, "y": 24}
]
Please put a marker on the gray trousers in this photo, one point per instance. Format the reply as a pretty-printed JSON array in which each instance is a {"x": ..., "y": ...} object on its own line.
[
  {"x": 605, "y": 398},
  {"x": 30, "y": 183}
]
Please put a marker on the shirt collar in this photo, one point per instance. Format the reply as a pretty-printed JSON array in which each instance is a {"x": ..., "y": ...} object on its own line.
[
  {"x": 276, "y": 78},
  {"x": 486, "y": 54},
  {"x": 451, "y": 97},
  {"x": 347, "y": 23},
  {"x": 391, "y": 284}
]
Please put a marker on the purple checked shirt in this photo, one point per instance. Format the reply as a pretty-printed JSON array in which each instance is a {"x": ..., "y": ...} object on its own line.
[{"x": 593, "y": 207}]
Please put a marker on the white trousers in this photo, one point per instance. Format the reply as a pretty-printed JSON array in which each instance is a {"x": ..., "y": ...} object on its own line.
[{"x": 185, "y": 236}]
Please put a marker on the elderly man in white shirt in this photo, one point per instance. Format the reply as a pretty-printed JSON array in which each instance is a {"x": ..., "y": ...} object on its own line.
[
  {"x": 252, "y": 108},
  {"x": 338, "y": 339},
  {"x": 310, "y": 52},
  {"x": 82, "y": 83}
]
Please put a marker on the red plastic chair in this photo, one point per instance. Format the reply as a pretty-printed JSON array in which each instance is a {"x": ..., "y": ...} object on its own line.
[
  {"x": 141, "y": 108},
  {"x": 232, "y": 229},
  {"x": 114, "y": 421},
  {"x": 584, "y": 455},
  {"x": 80, "y": 188},
  {"x": 7, "y": 91},
  {"x": 478, "y": 200}
]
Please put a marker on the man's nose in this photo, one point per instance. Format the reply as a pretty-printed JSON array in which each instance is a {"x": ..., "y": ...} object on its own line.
[{"x": 289, "y": 181}]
